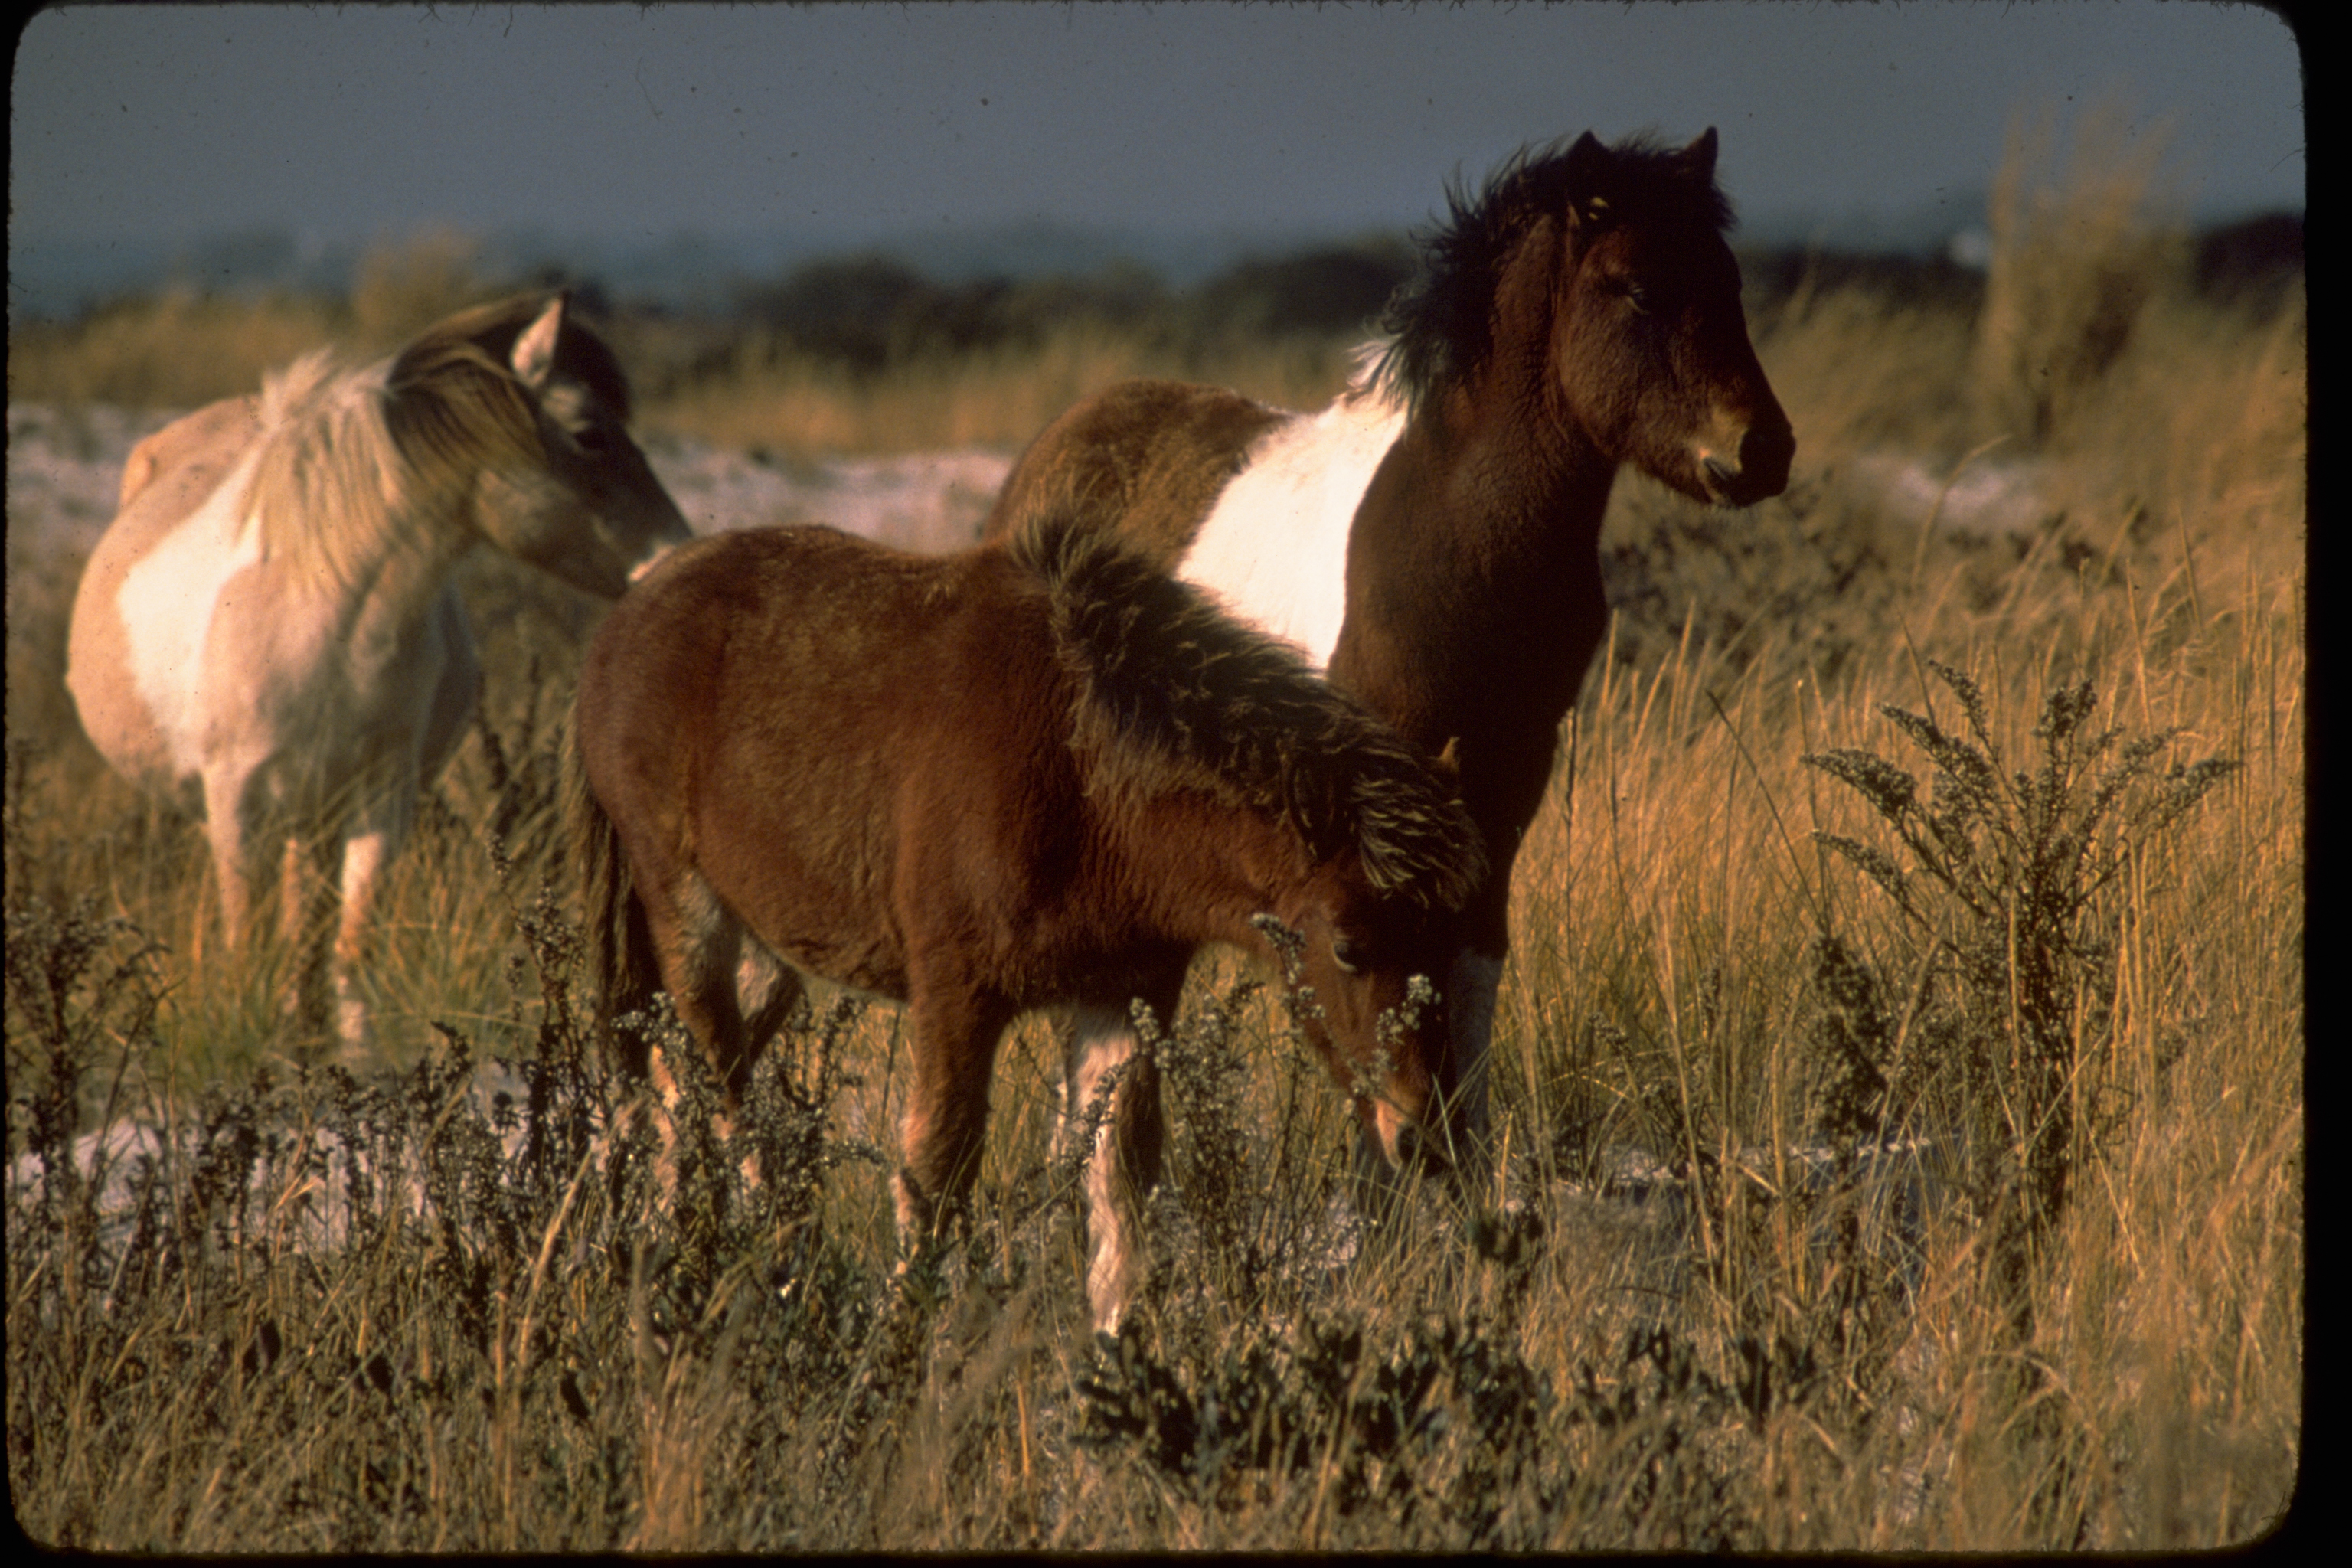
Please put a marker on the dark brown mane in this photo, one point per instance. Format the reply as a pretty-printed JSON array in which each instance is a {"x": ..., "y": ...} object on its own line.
[
  {"x": 451, "y": 397},
  {"x": 1174, "y": 694},
  {"x": 1441, "y": 322},
  {"x": 490, "y": 331}
]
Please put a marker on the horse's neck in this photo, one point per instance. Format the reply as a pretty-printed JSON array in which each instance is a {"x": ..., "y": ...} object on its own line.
[
  {"x": 1514, "y": 472},
  {"x": 1472, "y": 565},
  {"x": 1201, "y": 868},
  {"x": 370, "y": 556}
]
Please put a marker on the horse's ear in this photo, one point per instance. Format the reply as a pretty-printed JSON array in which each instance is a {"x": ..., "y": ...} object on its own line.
[
  {"x": 534, "y": 350},
  {"x": 1700, "y": 154},
  {"x": 1586, "y": 156},
  {"x": 1447, "y": 764},
  {"x": 1587, "y": 163}
]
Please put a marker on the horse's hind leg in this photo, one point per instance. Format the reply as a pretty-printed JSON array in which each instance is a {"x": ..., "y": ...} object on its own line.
[
  {"x": 1124, "y": 1165},
  {"x": 233, "y": 824},
  {"x": 769, "y": 988},
  {"x": 953, "y": 1032},
  {"x": 699, "y": 943},
  {"x": 243, "y": 831}
]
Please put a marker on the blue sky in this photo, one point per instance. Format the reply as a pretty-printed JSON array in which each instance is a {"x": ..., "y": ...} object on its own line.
[{"x": 855, "y": 121}]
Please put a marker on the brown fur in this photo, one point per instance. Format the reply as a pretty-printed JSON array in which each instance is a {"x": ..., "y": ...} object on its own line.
[
  {"x": 1582, "y": 313},
  {"x": 1175, "y": 695},
  {"x": 984, "y": 784},
  {"x": 1147, "y": 457}
]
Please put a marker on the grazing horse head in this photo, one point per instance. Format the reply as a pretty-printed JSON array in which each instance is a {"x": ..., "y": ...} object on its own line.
[{"x": 1621, "y": 251}]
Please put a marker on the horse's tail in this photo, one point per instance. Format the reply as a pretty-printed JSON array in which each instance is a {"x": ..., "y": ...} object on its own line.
[{"x": 623, "y": 971}]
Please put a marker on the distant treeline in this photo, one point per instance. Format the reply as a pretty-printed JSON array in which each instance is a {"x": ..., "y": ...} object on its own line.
[
  {"x": 865, "y": 313},
  {"x": 1280, "y": 323}
]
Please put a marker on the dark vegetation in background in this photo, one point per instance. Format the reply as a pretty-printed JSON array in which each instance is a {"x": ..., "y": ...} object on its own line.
[
  {"x": 2253, "y": 262},
  {"x": 871, "y": 313}
]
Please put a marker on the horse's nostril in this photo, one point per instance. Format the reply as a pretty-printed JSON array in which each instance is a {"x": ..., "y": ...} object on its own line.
[
  {"x": 1722, "y": 475},
  {"x": 1766, "y": 450},
  {"x": 1418, "y": 1150}
]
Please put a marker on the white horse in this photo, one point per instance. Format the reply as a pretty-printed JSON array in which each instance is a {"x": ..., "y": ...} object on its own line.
[{"x": 270, "y": 618}]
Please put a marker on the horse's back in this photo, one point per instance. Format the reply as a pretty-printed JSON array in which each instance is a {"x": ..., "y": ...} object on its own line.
[
  {"x": 757, "y": 634},
  {"x": 147, "y": 593},
  {"x": 770, "y": 716},
  {"x": 195, "y": 451},
  {"x": 1147, "y": 458}
]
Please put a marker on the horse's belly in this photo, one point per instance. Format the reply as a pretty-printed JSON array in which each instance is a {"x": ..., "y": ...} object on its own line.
[
  {"x": 141, "y": 626},
  {"x": 808, "y": 907},
  {"x": 1274, "y": 547}
]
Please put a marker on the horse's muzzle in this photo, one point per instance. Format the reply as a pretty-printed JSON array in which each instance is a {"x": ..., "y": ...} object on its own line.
[
  {"x": 1758, "y": 467},
  {"x": 1409, "y": 1145},
  {"x": 655, "y": 558}
]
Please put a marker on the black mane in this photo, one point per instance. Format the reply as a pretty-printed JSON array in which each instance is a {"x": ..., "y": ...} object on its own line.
[
  {"x": 1173, "y": 693},
  {"x": 1441, "y": 324}
]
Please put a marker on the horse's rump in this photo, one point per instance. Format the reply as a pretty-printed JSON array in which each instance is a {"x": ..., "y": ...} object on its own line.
[{"x": 772, "y": 712}]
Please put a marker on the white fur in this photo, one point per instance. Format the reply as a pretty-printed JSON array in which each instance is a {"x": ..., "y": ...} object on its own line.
[
  {"x": 1273, "y": 549},
  {"x": 167, "y": 603},
  {"x": 1102, "y": 1041}
]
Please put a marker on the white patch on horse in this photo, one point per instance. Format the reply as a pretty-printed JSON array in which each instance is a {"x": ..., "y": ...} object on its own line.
[
  {"x": 1273, "y": 549},
  {"x": 1101, "y": 1040},
  {"x": 167, "y": 603}
]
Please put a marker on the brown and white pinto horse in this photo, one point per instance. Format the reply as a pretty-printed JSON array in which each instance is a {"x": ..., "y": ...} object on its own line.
[
  {"x": 1431, "y": 539},
  {"x": 269, "y": 623},
  {"x": 989, "y": 782}
]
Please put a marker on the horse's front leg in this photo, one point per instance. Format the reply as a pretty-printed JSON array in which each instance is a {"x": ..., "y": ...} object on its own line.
[
  {"x": 1473, "y": 982},
  {"x": 953, "y": 1030},
  {"x": 1124, "y": 1163},
  {"x": 370, "y": 839},
  {"x": 233, "y": 822}
]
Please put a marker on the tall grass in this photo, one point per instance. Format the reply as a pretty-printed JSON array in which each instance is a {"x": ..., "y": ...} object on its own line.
[
  {"x": 1783, "y": 1046},
  {"x": 183, "y": 349},
  {"x": 2076, "y": 263},
  {"x": 732, "y": 383},
  {"x": 990, "y": 397}
]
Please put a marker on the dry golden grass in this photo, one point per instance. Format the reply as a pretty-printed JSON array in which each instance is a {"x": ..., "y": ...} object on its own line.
[
  {"x": 986, "y": 399},
  {"x": 541, "y": 1358},
  {"x": 181, "y": 350}
]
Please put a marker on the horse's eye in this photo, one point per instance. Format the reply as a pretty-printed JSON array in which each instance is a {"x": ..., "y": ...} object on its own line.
[{"x": 1348, "y": 955}]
